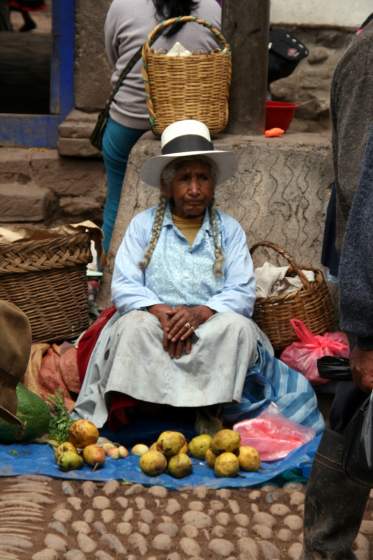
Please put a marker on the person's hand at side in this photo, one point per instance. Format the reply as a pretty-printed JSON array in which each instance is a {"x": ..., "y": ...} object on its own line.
[
  {"x": 362, "y": 368},
  {"x": 186, "y": 320}
]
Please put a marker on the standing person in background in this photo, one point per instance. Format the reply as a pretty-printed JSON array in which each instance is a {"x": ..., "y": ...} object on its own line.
[
  {"x": 127, "y": 26},
  {"x": 335, "y": 504}
]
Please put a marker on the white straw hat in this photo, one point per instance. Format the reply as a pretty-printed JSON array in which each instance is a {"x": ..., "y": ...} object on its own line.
[{"x": 187, "y": 138}]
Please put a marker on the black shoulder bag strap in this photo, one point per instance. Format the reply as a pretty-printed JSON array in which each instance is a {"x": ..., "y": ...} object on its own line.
[{"x": 98, "y": 131}]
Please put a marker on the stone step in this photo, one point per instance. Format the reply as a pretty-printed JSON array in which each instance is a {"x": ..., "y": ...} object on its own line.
[
  {"x": 38, "y": 185},
  {"x": 74, "y": 133},
  {"x": 25, "y": 202}
]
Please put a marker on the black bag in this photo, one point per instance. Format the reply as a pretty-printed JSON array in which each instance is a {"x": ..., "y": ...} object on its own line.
[
  {"x": 358, "y": 448},
  {"x": 335, "y": 369},
  {"x": 99, "y": 129},
  {"x": 285, "y": 52}
]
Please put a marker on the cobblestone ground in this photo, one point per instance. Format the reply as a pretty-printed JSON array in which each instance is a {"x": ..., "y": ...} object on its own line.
[{"x": 46, "y": 519}]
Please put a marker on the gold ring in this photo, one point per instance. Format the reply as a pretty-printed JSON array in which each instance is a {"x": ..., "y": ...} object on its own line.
[{"x": 188, "y": 326}]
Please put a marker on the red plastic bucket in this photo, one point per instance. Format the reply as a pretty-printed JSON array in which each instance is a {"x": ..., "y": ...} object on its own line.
[{"x": 279, "y": 114}]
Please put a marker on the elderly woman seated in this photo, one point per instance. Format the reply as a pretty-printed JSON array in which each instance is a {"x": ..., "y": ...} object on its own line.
[{"x": 184, "y": 290}]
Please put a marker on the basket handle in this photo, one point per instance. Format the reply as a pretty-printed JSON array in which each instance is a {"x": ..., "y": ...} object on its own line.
[
  {"x": 157, "y": 31},
  {"x": 286, "y": 256}
]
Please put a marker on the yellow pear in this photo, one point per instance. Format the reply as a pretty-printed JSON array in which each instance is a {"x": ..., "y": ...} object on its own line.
[
  {"x": 69, "y": 460},
  {"x": 226, "y": 464},
  {"x": 170, "y": 443},
  {"x": 199, "y": 445},
  {"x": 249, "y": 458},
  {"x": 63, "y": 447},
  {"x": 153, "y": 463},
  {"x": 225, "y": 440},
  {"x": 180, "y": 465}
]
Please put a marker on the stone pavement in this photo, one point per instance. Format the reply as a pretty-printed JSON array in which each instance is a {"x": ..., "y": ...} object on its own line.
[{"x": 46, "y": 519}]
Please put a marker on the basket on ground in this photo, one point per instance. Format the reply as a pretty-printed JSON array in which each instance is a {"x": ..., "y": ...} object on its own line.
[
  {"x": 187, "y": 87},
  {"x": 312, "y": 304},
  {"x": 46, "y": 278}
]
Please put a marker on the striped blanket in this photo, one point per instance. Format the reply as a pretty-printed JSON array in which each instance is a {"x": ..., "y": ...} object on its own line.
[{"x": 270, "y": 380}]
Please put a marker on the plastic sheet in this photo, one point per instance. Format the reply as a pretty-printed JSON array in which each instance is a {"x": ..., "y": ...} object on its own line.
[
  {"x": 273, "y": 435},
  {"x": 21, "y": 459}
]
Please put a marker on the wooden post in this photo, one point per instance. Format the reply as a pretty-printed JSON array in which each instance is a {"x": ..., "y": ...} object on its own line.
[{"x": 245, "y": 26}]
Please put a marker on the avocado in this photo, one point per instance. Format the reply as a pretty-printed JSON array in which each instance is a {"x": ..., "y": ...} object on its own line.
[{"x": 33, "y": 412}]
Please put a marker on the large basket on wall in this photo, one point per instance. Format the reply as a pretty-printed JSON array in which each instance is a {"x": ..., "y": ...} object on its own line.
[
  {"x": 312, "y": 304},
  {"x": 46, "y": 278},
  {"x": 187, "y": 87}
]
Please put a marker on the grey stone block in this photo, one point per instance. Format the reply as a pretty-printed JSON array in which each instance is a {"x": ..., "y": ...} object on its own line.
[
  {"x": 25, "y": 203},
  {"x": 76, "y": 147},
  {"x": 70, "y": 176},
  {"x": 81, "y": 205},
  {"x": 78, "y": 124}
]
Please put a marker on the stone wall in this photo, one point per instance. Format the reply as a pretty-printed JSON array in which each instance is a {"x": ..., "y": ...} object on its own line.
[
  {"x": 309, "y": 85},
  {"x": 92, "y": 71},
  {"x": 279, "y": 193},
  {"x": 336, "y": 13}
]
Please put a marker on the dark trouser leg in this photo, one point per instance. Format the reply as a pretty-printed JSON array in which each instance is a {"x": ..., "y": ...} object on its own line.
[{"x": 334, "y": 504}]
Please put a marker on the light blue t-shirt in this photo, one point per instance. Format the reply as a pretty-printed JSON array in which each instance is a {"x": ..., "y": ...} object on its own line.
[{"x": 180, "y": 274}]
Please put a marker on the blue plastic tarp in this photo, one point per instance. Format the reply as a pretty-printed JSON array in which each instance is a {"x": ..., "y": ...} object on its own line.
[{"x": 32, "y": 458}]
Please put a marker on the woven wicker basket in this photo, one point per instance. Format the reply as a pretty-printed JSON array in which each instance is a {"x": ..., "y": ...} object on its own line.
[
  {"x": 312, "y": 304},
  {"x": 187, "y": 87},
  {"x": 47, "y": 279}
]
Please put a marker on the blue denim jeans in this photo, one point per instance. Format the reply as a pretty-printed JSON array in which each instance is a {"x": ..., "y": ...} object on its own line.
[{"x": 117, "y": 143}]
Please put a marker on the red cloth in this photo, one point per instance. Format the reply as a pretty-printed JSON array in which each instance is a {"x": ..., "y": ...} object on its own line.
[{"x": 119, "y": 401}]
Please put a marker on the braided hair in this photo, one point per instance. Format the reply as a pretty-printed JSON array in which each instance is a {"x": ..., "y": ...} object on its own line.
[
  {"x": 166, "y": 178},
  {"x": 156, "y": 232},
  {"x": 219, "y": 256}
]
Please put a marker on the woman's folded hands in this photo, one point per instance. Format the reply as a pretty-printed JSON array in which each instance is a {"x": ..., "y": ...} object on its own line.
[{"x": 179, "y": 324}]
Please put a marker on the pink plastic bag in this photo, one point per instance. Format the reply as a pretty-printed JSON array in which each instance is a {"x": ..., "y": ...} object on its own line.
[
  {"x": 303, "y": 354},
  {"x": 272, "y": 434}
]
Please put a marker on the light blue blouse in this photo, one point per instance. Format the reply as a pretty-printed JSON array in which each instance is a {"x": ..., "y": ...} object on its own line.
[{"x": 180, "y": 274}]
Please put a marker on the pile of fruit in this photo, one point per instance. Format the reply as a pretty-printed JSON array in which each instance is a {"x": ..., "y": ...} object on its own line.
[
  {"x": 82, "y": 447},
  {"x": 222, "y": 452}
]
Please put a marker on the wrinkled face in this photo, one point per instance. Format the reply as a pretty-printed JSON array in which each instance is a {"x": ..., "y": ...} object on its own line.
[{"x": 191, "y": 190}]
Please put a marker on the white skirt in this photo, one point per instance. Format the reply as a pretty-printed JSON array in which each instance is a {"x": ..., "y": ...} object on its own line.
[{"x": 129, "y": 358}]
